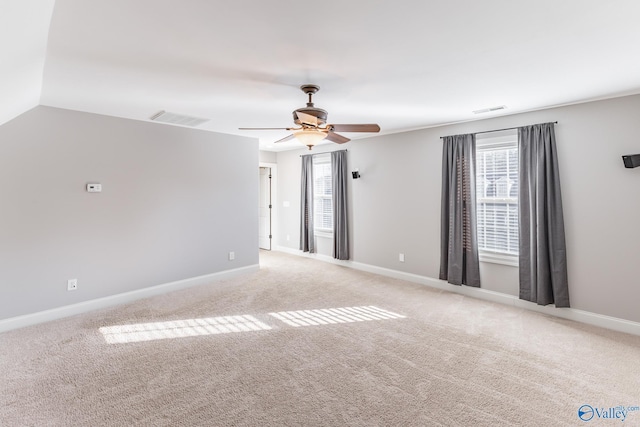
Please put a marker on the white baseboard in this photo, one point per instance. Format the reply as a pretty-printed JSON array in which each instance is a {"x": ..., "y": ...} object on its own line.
[
  {"x": 595, "y": 319},
  {"x": 123, "y": 298}
]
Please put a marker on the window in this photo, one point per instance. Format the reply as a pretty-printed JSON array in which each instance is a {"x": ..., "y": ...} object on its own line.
[
  {"x": 497, "y": 196},
  {"x": 322, "y": 194}
]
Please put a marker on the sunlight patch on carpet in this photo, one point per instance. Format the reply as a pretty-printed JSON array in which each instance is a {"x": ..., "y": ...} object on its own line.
[
  {"x": 181, "y": 329},
  {"x": 328, "y": 316}
]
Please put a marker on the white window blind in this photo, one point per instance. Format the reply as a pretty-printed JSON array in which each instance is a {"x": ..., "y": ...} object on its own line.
[
  {"x": 497, "y": 193},
  {"x": 322, "y": 193}
]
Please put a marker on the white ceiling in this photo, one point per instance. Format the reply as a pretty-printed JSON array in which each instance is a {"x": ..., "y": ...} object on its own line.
[
  {"x": 24, "y": 27},
  {"x": 403, "y": 64}
]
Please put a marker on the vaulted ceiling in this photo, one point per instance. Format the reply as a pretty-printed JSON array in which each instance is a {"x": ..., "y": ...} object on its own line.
[{"x": 405, "y": 64}]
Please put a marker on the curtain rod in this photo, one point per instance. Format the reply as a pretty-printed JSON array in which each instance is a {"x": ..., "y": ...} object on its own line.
[
  {"x": 317, "y": 154},
  {"x": 498, "y": 130}
]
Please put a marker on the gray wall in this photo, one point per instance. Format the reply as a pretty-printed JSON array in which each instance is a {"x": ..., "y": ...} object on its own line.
[
  {"x": 395, "y": 206},
  {"x": 175, "y": 201},
  {"x": 268, "y": 157}
]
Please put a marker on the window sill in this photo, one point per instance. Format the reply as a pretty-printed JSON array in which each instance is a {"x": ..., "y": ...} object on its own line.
[
  {"x": 325, "y": 234},
  {"x": 498, "y": 258}
]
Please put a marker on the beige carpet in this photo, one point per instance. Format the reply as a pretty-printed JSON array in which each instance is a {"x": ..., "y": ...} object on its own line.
[{"x": 272, "y": 353}]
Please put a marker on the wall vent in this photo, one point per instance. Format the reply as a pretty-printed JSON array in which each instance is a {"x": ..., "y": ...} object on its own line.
[
  {"x": 488, "y": 110},
  {"x": 177, "y": 119}
]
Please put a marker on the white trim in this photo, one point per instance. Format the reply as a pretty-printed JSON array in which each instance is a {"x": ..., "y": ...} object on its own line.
[
  {"x": 267, "y": 165},
  {"x": 320, "y": 257},
  {"x": 323, "y": 159},
  {"x": 321, "y": 232},
  {"x": 498, "y": 258},
  {"x": 595, "y": 319},
  {"x": 274, "y": 199},
  {"x": 496, "y": 140},
  {"x": 126, "y": 297}
]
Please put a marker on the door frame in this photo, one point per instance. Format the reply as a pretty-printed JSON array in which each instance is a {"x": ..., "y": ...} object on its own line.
[{"x": 274, "y": 198}]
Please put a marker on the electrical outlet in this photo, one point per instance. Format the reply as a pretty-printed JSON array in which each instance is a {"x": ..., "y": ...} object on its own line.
[
  {"x": 72, "y": 284},
  {"x": 288, "y": 237},
  {"x": 232, "y": 256},
  {"x": 401, "y": 257}
]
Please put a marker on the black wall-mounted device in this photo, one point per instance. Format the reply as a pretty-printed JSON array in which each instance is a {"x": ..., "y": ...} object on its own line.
[
  {"x": 631, "y": 160},
  {"x": 355, "y": 174}
]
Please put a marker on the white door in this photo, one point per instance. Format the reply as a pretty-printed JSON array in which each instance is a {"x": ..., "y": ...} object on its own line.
[{"x": 264, "y": 206}]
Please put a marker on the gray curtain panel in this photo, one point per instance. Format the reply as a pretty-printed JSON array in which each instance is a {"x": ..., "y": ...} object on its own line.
[
  {"x": 543, "y": 257},
  {"x": 459, "y": 261},
  {"x": 339, "y": 199},
  {"x": 306, "y": 205}
]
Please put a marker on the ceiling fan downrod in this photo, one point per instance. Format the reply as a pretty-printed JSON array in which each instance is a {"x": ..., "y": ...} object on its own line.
[{"x": 310, "y": 90}]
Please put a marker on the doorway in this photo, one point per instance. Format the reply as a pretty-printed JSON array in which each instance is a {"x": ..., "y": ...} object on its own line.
[{"x": 265, "y": 209}]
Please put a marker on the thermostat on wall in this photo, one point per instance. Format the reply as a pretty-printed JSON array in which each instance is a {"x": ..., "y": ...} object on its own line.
[{"x": 94, "y": 188}]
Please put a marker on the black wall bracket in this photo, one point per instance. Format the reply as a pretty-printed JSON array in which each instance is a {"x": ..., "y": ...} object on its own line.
[{"x": 631, "y": 160}]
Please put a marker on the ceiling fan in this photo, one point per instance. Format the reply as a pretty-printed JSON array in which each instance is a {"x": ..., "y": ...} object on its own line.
[{"x": 312, "y": 124}]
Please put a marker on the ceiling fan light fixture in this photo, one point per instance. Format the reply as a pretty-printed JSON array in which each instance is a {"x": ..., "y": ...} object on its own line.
[
  {"x": 312, "y": 125},
  {"x": 310, "y": 137}
]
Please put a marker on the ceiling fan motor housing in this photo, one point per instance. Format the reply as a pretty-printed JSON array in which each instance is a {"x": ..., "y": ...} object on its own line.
[
  {"x": 318, "y": 113},
  {"x": 310, "y": 109}
]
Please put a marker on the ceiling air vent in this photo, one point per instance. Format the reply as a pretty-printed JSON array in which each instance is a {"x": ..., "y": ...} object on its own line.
[
  {"x": 488, "y": 110},
  {"x": 177, "y": 119}
]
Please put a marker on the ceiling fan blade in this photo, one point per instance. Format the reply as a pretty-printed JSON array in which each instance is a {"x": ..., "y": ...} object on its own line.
[
  {"x": 286, "y": 138},
  {"x": 266, "y": 129},
  {"x": 338, "y": 139},
  {"x": 371, "y": 127},
  {"x": 307, "y": 119}
]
